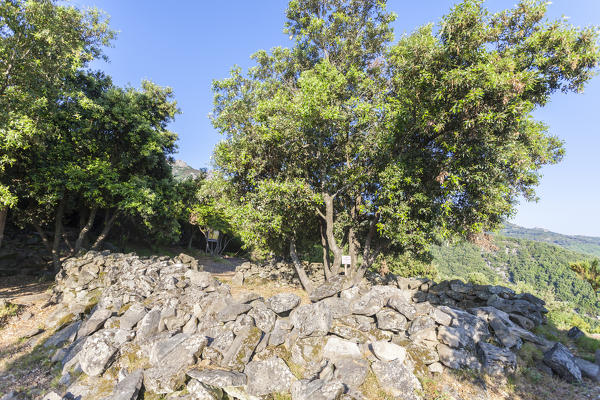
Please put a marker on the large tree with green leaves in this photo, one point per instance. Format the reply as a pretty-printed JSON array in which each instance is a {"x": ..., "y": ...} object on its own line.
[
  {"x": 395, "y": 144},
  {"x": 41, "y": 44}
]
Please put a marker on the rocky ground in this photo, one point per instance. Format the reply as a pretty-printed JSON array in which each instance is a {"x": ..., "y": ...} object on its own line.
[{"x": 118, "y": 326}]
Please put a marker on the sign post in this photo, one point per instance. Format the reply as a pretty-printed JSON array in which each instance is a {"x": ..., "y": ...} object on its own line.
[{"x": 346, "y": 260}]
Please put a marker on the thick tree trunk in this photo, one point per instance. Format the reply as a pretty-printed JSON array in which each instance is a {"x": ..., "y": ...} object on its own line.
[
  {"x": 58, "y": 226},
  {"x": 189, "y": 245},
  {"x": 368, "y": 255},
  {"x": 3, "y": 214},
  {"x": 337, "y": 251},
  {"x": 304, "y": 280},
  {"x": 43, "y": 236},
  {"x": 325, "y": 245},
  {"x": 108, "y": 223},
  {"x": 67, "y": 242},
  {"x": 85, "y": 229}
]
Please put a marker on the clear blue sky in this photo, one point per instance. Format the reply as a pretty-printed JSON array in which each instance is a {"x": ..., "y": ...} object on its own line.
[{"x": 187, "y": 44}]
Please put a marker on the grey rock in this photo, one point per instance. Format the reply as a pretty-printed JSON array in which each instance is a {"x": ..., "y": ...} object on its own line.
[
  {"x": 496, "y": 361},
  {"x": 280, "y": 331},
  {"x": 396, "y": 379},
  {"x": 231, "y": 311},
  {"x": 51, "y": 396},
  {"x": 457, "y": 359},
  {"x": 97, "y": 353},
  {"x": 368, "y": 304},
  {"x": 337, "y": 306},
  {"x": 352, "y": 372},
  {"x": 575, "y": 333},
  {"x": 440, "y": 317},
  {"x": 421, "y": 323},
  {"x": 588, "y": 369},
  {"x": 403, "y": 306},
  {"x": 200, "y": 391},
  {"x": 201, "y": 279},
  {"x": 317, "y": 389},
  {"x": 63, "y": 336},
  {"x": 218, "y": 378},
  {"x": 311, "y": 319},
  {"x": 268, "y": 376},
  {"x": 128, "y": 388},
  {"x": 148, "y": 325},
  {"x": 436, "y": 368},
  {"x": 283, "y": 303},
  {"x": 391, "y": 320},
  {"x": 94, "y": 322},
  {"x": 242, "y": 348},
  {"x": 264, "y": 318},
  {"x": 455, "y": 337},
  {"x": 328, "y": 289},
  {"x": 162, "y": 348},
  {"x": 562, "y": 362},
  {"x": 386, "y": 351},
  {"x": 336, "y": 348}
]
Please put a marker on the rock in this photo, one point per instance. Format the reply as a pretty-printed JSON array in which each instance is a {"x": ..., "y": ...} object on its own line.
[
  {"x": 311, "y": 320},
  {"x": 148, "y": 325},
  {"x": 283, "y": 303},
  {"x": 66, "y": 334},
  {"x": 242, "y": 348},
  {"x": 562, "y": 362},
  {"x": 231, "y": 311},
  {"x": 440, "y": 317},
  {"x": 336, "y": 348},
  {"x": 421, "y": 323},
  {"x": 160, "y": 349},
  {"x": 317, "y": 389},
  {"x": 51, "y": 396},
  {"x": 200, "y": 391},
  {"x": 218, "y": 378},
  {"x": 307, "y": 350},
  {"x": 396, "y": 379},
  {"x": 97, "y": 353},
  {"x": 201, "y": 279},
  {"x": 436, "y": 368},
  {"x": 351, "y": 372},
  {"x": 496, "y": 361},
  {"x": 391, "y": 320},
  {"x": 337, "y": 306},
  {"x": 268, "y": 376},
  {"x": 132, "y": 316},
  {"x": 597, "y": 357},
  {"x": 264, "y": 318},
  {"x": 456, "y": 359},
  {"x": 455, "y": 337},
  {"x": 476, "y": 327},
  {"x": 588, "y": 369},
  {"x": 94, "y": 322},
  {"x": 575, "y": 333},
  {"x": 328, "y": 289},
  {"x": 369, "y": 304},
  {"x": 386, "y": 351},
  {"x": 280, "y": 332},
  {"x": 128, "y": 388}
]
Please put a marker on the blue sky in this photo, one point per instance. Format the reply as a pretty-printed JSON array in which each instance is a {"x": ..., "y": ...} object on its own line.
[{"x": 187, "y": 43}]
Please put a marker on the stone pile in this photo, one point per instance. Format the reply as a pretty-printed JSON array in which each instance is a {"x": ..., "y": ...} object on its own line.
[{"x": 128, "y": 325}]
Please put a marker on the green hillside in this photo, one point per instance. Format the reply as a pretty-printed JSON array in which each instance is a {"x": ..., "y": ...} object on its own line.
[
  {"x": 182, "y": 171},
  {"x": 535, "y": 266},
  {"x": 582, "y": 244}
]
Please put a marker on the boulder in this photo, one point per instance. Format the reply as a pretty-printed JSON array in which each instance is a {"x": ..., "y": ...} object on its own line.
[
  {"x": 328, "y": 289},
  {"x": 63, "y": 336},
  {"x": 386, "y": 351},
  {"x": 421, "y": 323},
  {"x": 496, "y": 361},
  {"x": 97, "y": 353},
  {"x": 575, "y": 333},
  {"x": 311, "y": 320},
  {"x": 283, "y": 303},
  {"x": 218, "y": 378},
  {"x": 128, "y": 388},
  {"x": 318, "y": 389},
  {"x": 396, "y": 379},
  {"x": 455, "y": 337},
  {"x": 268, "y": 376},
  {"x": 588, "y": 369},
  {"x": 368, "y": 304},
  {"x": 242, "y": 348},
  {"x": 336, "y": 348},
  {"x": 264, "y": 318},
  {"x": 148, "y": 325},
  {"x": 231, "y": 311},
  {"x": 456, "y": 359},
  {"x": 391, "y": 320},
  {"x": 351, "y": 372},
  {"x": 132, "y": 316},
  {"x": 94, "y": 322},
  {"x": 200, "y": 391},
  {"x": 562, "y": 362}
]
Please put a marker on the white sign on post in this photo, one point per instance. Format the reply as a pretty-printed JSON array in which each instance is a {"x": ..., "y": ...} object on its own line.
[{"x": 346, "y": 260}]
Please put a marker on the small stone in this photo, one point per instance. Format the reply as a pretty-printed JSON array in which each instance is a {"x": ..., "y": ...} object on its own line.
[
  {"x": 387, "y": 351},
  {"x": 337, "y": 348},
  {"x": 436, "y": 368}
]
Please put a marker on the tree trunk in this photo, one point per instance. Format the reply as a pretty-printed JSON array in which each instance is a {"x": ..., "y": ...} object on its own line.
[
  {"x": 58, "y": 226},
  {"x": 189, "y": 245},
  {"x": 42, "y": 234},
  {"x": 85, "y": 229},
  {"x": 3, "y": 214},
  {"x": 325, "y": 245},
  {"x": 368, "y": 255},
  {"x": 306, "y": 282},
  {"x": 67, "y": 242},
  {"x": 108, "y": 223},
  {"x": 337, "y": 251}
]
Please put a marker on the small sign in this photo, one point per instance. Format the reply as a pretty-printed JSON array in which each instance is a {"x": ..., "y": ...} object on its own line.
[
  {"x": 346, "y": 260},
  {"x": 213, "y": 235}
]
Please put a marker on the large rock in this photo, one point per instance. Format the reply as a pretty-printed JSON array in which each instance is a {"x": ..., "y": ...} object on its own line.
[
  {"x": 268, "y": 376},
  {"x": 218, "y": 378},
  {"x": 97, "y": 353},
  {"x": 368, "y": 304},
  {"x": 231, "y": 311},
  {"x": 328, "y": 289},
  {"x": 455, "y": 337},
  {"x": 94, "y": 322},
  {"x": 242, "y": 348},
  {"x": 457, "y": 359},
  {"x": 132, "y": 316},
  {"x": 386, "y": 351},
  {"x": 562, "y": 362},
  {"x": 588, "y": 369},
  {"x": 352, "y": 372},
  {"x": 128, "y": 388},
  {"x": 337, "y": 348},
  {"x": 311, "y": 320},
  {"x": 396, "y": 379},
  {"x": 283, "y": 303},
  {"x": 148, "y": 326},
  {"x": 496, "y": 361},
  {"x": 200, "y": 391},
  {"x": 391, "y": 320},
  {"x": 264, "y": 318},
  {"x": 318, "y": 389},
  {"x": 63, "y": 336}
]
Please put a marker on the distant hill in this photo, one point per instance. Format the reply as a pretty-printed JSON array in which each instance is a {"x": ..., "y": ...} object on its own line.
[
  {"x": 582, "y": 244},
  {"x": 181, "y": 171}
]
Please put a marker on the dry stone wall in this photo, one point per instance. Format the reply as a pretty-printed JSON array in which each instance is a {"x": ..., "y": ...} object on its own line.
[{"x": 165, "y": 326}]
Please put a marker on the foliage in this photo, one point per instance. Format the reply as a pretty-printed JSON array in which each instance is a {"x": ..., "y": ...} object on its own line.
[
  {"x": 588, "y": 271},
  {"x": 393, "y": 145},
  {"x": 581, "y": 244}
]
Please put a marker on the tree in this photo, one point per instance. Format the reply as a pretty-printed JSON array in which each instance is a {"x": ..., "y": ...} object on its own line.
[
  {"x": 588, "y": 271},
  {"x": 433, "y": 135},
  {"x": 41, "y": 44}
]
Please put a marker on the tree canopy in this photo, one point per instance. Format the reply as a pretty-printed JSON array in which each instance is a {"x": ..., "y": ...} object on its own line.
[{"x": 380, "y": 146}]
